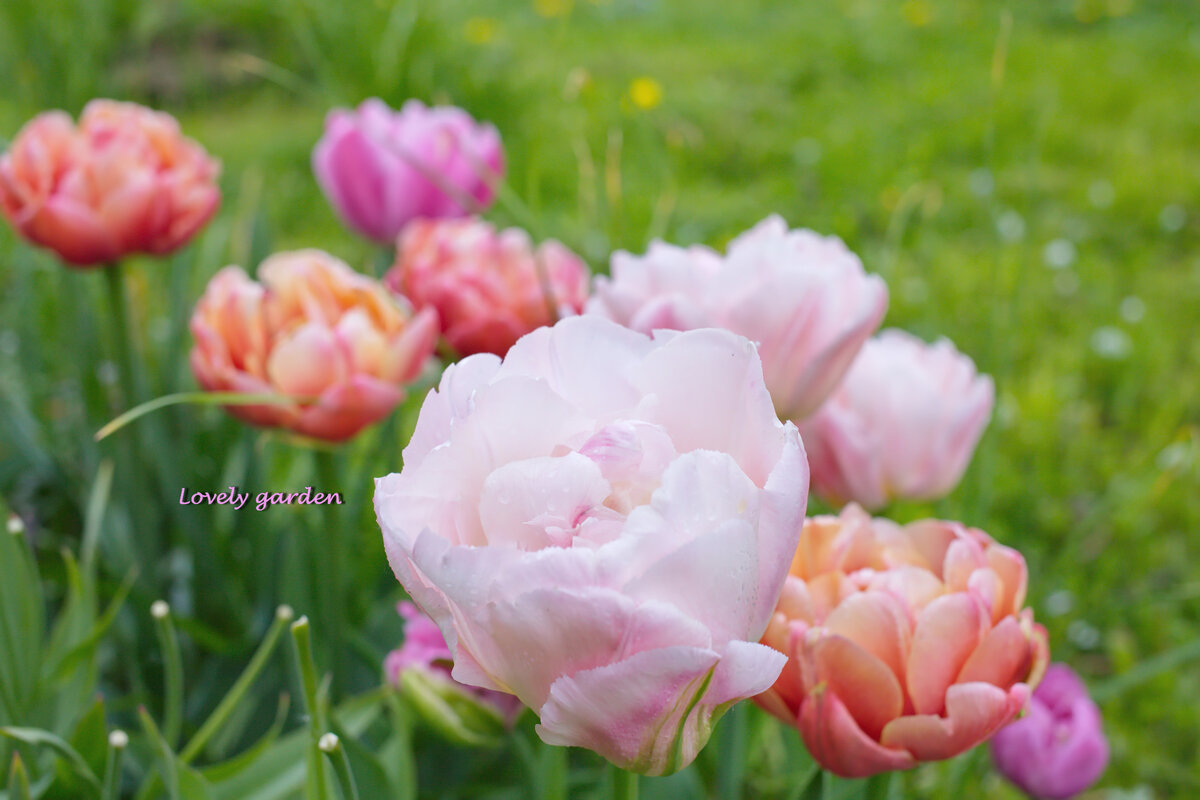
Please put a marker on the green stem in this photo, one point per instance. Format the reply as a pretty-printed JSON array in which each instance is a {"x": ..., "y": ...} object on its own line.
[
  {"x": 732, "y": 754},
  {"x": 554, "y": 772},
  {"x": 329, "y": 569},
  {"x": 316, "y": 787},
  {"x": 137, "y": 478},
  {"x": 133, "y": 386},
  {"x": 168, "y": 641},
  {"x": 331, "y": 746},
  {"x": 625, "y": 785},
  {"x": 118, "y": 740},
  {"x": 283, "y": 616},
  {"x": 878, "y": 786}
]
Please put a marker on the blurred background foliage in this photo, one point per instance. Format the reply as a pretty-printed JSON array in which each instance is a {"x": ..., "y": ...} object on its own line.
[{"x": 1024, "y": 174}]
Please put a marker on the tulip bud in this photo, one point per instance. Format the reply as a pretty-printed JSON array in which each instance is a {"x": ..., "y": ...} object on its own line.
[
  {"x": 380, "y": 168},
  {"x": 421, "y": 668},
  {"x": 1058, "y": 749}
]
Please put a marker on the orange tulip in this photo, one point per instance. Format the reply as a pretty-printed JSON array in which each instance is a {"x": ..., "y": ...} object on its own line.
[
  {"x": 316, "y": 330},
  {"x": 124, "y": 180},
  {"x": 904, "y": 644}
]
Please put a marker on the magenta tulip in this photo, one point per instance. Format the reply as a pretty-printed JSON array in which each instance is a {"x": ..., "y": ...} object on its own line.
[
  {"x": 1058, "y": 749},
  {"x": 381, "y": 168}
]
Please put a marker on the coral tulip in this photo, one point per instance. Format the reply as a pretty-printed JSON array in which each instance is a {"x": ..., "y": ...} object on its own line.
[
  {"x": 315, "y": 330},
  {"x": 904, "y": 644},
  {"x": 489, "y": 288},
  {"x": 601, "y": 524},
  {"x": 380, "y": 168},
  {"x": 124, "y": 180},
  {"x": 902, "y": 424},
  {"x": 1058, "y": 749},
  {"x": 803, "y": 298}
]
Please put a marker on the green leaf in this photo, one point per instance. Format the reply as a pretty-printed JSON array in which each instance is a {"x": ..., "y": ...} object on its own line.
[
  {"x": 182, "y": 781},
  {"x": 18, "y": 780},
  {"x": 22, "y": 624},
  {"x": 226, "y": 770},
  {"x": 83, "y": 650},
  {"x": 90, "y": 739},
  {"x": 451, "y": 710},
  {"x": 279, "y": 773},
  {"x": 40, "y": 738}
]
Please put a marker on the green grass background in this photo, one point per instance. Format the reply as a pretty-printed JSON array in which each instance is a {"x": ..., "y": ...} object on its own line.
[{"x": 1025, "y": 175}]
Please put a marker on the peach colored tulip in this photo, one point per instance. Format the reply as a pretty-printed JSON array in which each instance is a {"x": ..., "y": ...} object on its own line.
[
  {"x": 802, "y": 297},
  {"x": 124, "y": 180},
  {"x": 904, "y": 644},
  {"x": 903, "y": 424},
  {"x": 316, "y": 330},
  {"x": 489, "y": 287}
]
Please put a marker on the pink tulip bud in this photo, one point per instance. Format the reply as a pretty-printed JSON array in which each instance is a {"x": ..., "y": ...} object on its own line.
[
  {"x": 421, "y": 666},
  {"x": 381, "y": 168},
  {"x": 489, "y": 287},
  {"x": 600, "y": 524},
  {"x": 124, "y": 180},
  {"x": 803, "y": 298},
  {"x": 315, "y": 330},
  {"x": 904, "y": 644},
  {"x": 1058, "y": 749},
  {"x": 902, "y": 425}
]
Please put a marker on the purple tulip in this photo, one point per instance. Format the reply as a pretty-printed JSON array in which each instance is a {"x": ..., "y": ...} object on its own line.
[
  {"x": 1058, "y": 749},
  {"x": 381, "y": 168}
]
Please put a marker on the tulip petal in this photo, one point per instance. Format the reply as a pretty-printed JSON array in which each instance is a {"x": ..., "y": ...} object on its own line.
[
  {"x": 974, "y": 711},
  {"x": 866, "y": 686},
  {"x": 1002, "y": 658},
  {"x": 947, "y": 631},
  {"x": 839, "y": 745}
]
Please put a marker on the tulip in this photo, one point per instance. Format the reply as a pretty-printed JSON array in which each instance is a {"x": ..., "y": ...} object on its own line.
[
  {"x": 804, "y": 298},
  {"x": 124, "y": 180},
  {"x": 1058, "y": 749},
  {"x": 902, "y": 425},
  {"x": 313, "y": 330},
  {"x": 904, "y": 644},
  {"x": 381, "y": 168},
  {"x": 489, "y": 288},
  {"x": 421, "y": 667},
  {"x": 600, "y": 524}
]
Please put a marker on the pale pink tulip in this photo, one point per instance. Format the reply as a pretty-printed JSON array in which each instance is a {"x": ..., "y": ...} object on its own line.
[
  {"x": 804, "y": 298},
  {"x": 903, "y": 424},
  {"x": 124, "y": 180},
  {"x": 600, "y": 525},
  {"x": 313, "y": 329},
  {"x": 904, "y": 644},
  {"x": 489, "y": 287},
  {"x": 1058, "y": 749},
  {"x": 380, "y": 168}
]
